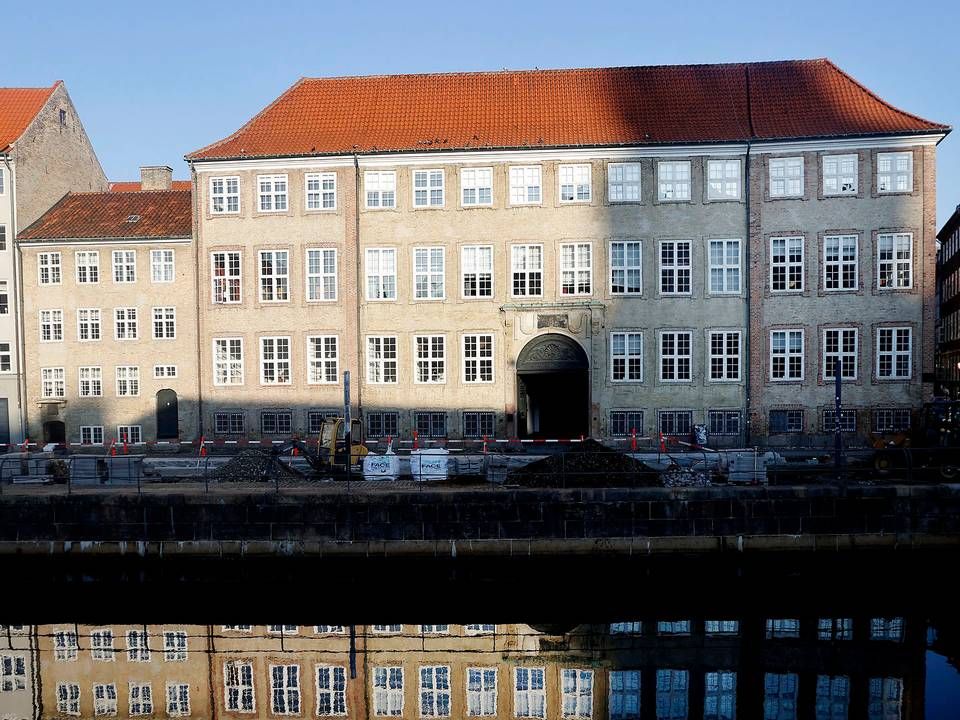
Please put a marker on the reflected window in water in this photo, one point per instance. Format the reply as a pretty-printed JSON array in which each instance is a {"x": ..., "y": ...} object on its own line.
[
  {"x": 13, "y": 673},
  {"x": 141, "y": 699},
  {"x": 780, "y": 696},
  {"x": 721, "y": 627},
  {"x": 833, "y": 697},
  {"x": 387, "y": 629},
  {"x": 885, "y": 698},
  {"x": 178, "y": 699},
  {"x": 435, "y": 691},
  {"x": 481, "y": 691},
  {"x": 65, "y": 645},
  {"x": 105, "y": 699},
  {"x": 624, "y": 694},
  {"x": 101, "y": 645},
  {"x": 886, "y": 629},
  {"x": 672, "y": 694},
  {"x": 480, "y": 629},
  {"x": 577, "y": 687},
  {"x": 238, "y": 686},
  {"x": 673, "y": 627},
  {"x": 783, "y": 628},
  {"x": 68, "y": 698},
  {"x": 285, "y": 689},
  {"x": 238, "y": 628},
  {"x": 175, "y": 646},
  {"x": 626, "y": 628},
  {"x": 434, "y": 629},
  {"x": 529, "y": 697},
  {"x": 283, "y": 629},
  {"x": 720, "y": 695},
  {"x": 388, "y": 690},
  {"x": 138, "y": 646},
  {"x": 328, "y": 629},
  {"x": 835, "y": 629},
  {"x": 331, "y": 690}
]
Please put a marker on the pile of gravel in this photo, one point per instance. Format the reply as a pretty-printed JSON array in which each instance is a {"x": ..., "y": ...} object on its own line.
[
  {"x": 586, "y": 464},
  {"x": 249, "y": 466}
]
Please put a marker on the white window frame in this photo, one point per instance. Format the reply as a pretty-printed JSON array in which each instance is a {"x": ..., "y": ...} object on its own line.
[
  {"x": 51, "y": 322},
  {"x": 577, "y": 271},
  {"x": 426, "y": 362},
  {"x": 230, "y": 367},
  {"x": 434, "y": 693},
  {"x": 273, "y": 193},
  {"x": 128, "y": 380},
  {"x": 470, "y": 179},
  {"x": 382, "y": 363},
  {"x": 278, "y": 362},
  {"x": 130, "y": 325},
  {"x": 68, "y": 698},
  {"x": 848, "y": 358},
  {"x": 92, "y": 382},
  {"x": 175, "y": 645},
  {"x": 626, "y": 267},
  {"x": 526, "y": 181},
  {"x": 164, "y": 371},
  {"x": 471, "y": 266},
  {"x": 289, "y": 692},
  {"x": 626, "y": 181},
  {"x": 89, "y": 262},
  {"x": 380, "y": 275},
  {"x": 787, "y": 264},
  {"x": 334, "y": 695},
  {"x": 481, "y": 699},
  {"x": 676, "y": 356},
  {"x": 91, "y": 435},
  {"x": 627, "y": 358},
  {"x": 788, "y": 354},
  {"x": 529, "y": 695},
  {"x": 178, "y": 699},
  {"x": 521, "y": 269},
  {"x": 727, "y": 270},
  {"x": 243, "y": 685},
  {"x": 430, "y": 274},
  {"x": 784, "y": 175},
  {"x": 274, "y": 286},
  {"x": 675, "y": 269},
  {"x": 225, "y": 195},
  {"x": 160, "y": 265},
  {"x": 893, "y": 263},
  {"x": 430, "y": 175},
  {"x": 324, "y": 196},
  {"x": 388, "y": 701},
  {"x": 575, "y": 184},
  {"x": 838, "y": 178},
  {"x": 51, "y": 263},
  {"x": 101, "y": 645},
  {"x": 320, "y": 363},
  {"x": 53, "y": 383},
  {"x": 124, "y": 265},
  {"x": 894, "y": 352},
  {"x": 227, "y": 280},
  {"x": 576, "y": 701},
  {"x": 104, "y": 699},
  {"x": 138, "y": 646},
  {"x": 724, "y": 184},
  {"x": 725, "y": 356},
  {"x": 674, "y": 181},
  {"x": 475, "y": 360},
  {"x": 385, "y": 178},
  {"x": 166, "y": 319},
  {"x": 321, "y": 277},
  {"x": 888, "y": 180},
  {"x": 66, "y": 648},
  {"x": 131, "y": 434},
  {"x": 841, "y": 263}
]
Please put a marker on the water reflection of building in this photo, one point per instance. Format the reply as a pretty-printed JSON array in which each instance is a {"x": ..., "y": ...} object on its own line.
[
  {"x": 17, "y": 672},
  {"x": 777, "y": 668}
]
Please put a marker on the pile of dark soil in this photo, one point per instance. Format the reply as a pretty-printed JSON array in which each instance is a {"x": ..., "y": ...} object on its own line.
[
  {"x": 249, "y": 466},
  {"x": 586, "y": 464}
]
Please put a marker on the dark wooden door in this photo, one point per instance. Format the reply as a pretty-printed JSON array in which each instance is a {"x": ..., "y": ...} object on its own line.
[{"x": 168, "y": 423}]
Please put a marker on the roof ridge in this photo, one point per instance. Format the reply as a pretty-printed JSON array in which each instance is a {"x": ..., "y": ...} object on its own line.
[{"x": 129, "y": 192}]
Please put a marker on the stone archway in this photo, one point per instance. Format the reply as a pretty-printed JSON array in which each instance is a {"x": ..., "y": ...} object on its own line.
[{"x": 553, "y": 388}]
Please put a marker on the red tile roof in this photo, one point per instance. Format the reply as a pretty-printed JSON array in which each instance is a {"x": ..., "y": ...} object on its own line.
[
  {"x": 18, "y": 108},
  {"x": 567, "y": 108},
  {"x": 134, "y": 185},
  {"x": 91, "y": 215}
]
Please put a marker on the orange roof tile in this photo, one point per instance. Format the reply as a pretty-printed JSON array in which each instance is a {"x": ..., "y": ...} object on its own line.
[
  {"x": 134, "y": 185},
  {"x": 91, "y": 215},
  {"x": 566, "y": 108},
  {"x": 18, "y": 108}
]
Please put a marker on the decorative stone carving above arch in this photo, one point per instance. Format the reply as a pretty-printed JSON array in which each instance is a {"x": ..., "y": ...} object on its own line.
[{"x": 552, "y": 352}]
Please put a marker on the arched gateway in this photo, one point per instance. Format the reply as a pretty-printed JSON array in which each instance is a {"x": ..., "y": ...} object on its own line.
[{"x": 553, "y": 382}]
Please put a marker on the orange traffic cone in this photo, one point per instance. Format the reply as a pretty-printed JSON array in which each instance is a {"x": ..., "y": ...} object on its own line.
[
  {"x": 415, "y": 443},
  {"x": 633, "y": 440},
  {"x": 113, "y": 448},
  {"x": 203, "y": 447}
]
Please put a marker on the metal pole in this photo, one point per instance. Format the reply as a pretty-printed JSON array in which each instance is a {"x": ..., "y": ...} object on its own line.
[
  {"x": 837, "y": 435},
  {"x": 347, "y": 439}
]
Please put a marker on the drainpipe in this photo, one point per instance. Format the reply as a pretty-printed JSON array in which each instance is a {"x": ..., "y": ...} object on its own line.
[
  {"x": 196, "y": 265},
  {"x": 746, "y": 288},
  {"x": 17, "y": 295},
  {"x": 356, "y": 229}
]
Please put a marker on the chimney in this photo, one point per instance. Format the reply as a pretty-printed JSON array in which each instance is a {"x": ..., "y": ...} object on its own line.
[{"x": 156, "y": 177}]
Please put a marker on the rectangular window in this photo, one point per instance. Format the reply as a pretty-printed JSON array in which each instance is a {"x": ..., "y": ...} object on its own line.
[
  {"x": 479, "y": 424},
  {"x": 382, "y": 359},
  {"x": 174, "y": 646},
  {"x": 886, "y": 629},
  {"x": 91, "y": 382},
  {"x": 626, "y": 267},
  {"x": 481, "y": 692},
  {"x": 576, "y": 269},
  {"x": 476, "y": 186},
  {"x": 128, "y": 381},
  {"x": 228, "y": 423},
  {"x": 434, "y": 691},
  {"x": 331, "y": 690},
  {"x": 276, "y": 422},
  {"x": 476, "y": 270},
  {"x": 724, "y": 355},
  {"x": 526, "y": 262},
  {"x": 626, "y": 628},
  {"x": 124, "y": 266},
  {"x": 274, "y": 276},
  {"x": 164, "y": 323},
  {"x": 895, "y": 260},
  {"x": 321, "y": 191},
  {"x": 382, "y": 424},
  {"x": 894, "y": 352},
  {"x": 576, "y": 688},
  {"x": 833, "y": 697},
  {"x": 888, "y": 420},
  {"x": 238, "y": 686},
  {"x": 272, "y": 193},
  {"x": 178, "y": 699},
  {"x": 381, "y": 189},
  {"x": 840, "y": 345},
  {"x": 51, "y": 325},
  {"x": 138, "y": 646},
  {"x": 840, "y": 174},
  {"x": 848, "y": 420},
  {"x": 786, "y": 177},
  {"x": 161, "y": 266},
  {"x": 624, "y": 694},
  {"x": 525, "y": 188},
  {"x": 105, "y": 699},
  {"x": 623, "y": 182},
  {"x": 721, "y": 627},
  {"x": 322, "y": 274},
  {"x": 574, "y": 183},
  {"x": 431, "y": 424},
  {"x": 675, "y": 356},
  {"x": 840, "y": 262},
  {"x": 671, "y": 697},
  {"x": 381, "y": 273},
  {"x": 673, "y": 627},
  {"x": 427, "y": 188},
  {"x": 723, "y": 179},
  {"x": 101, "y": 645},
  {"x": 675, "y": 267},
  {"x": 131, "y": 434},
  {"x": 786, "y": 421},
  {"x": 625, "y": 422},
  {"x": 478, "y": 358},
  {"x": 13, "y": 673},
  {"x": 676, "y": 422},
  {"x": 224, "y": 195},
  {"x": 48, "y": 268},
  {"x": 388, "y": 691},
  {"x": 6, "y": 357},
  {"x": 228, "y": 361},
  {"x": 275, "y": 360},
  {"x": 895, "y": 172},
  {"x": 88, "y": 267},
  {"x": 91, "y": 435},
  {"x": 4, "y": 298},
  {"x": 322, "y": 359},
  {"x": 724, "y": 422},
  {"x": 68, "y": 698},
  {"x": 430, "y": 362},
  {"x": 428, "y": 273},
  {"x": 724, "y": 266},
  {"x": 626, "y": 356},
  {"x": 786, "y": 355},
  {"x": 125, "y": 324},
  {"x": 673, "y": 181},
  {"x": 164, "y": 371},
  {"x": 285, "y": 689},
  {"x": 328, "y": 629},
  {"x": 226, "y": 277},
  {"x": 88, "y": 324},
  {"x": 720, "y": 695},
  {"x": 786, "y": 264},
  {"x": 52, "y": 383},
  {"x": 65, "y": 645},
  {"x": 529, "y": 695}
]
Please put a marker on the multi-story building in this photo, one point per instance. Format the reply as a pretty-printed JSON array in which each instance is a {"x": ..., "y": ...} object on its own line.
[
  {"x": 948, "y": 287},
  {"x": 570, "y": 252},
  {"x": 110, "y": 313},
  {"x": 44, "y": 153},
  {"x": 19, "y": 689}
]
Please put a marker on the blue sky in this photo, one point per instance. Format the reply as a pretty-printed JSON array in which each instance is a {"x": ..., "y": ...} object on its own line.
[{"x": 155, "y": 82}]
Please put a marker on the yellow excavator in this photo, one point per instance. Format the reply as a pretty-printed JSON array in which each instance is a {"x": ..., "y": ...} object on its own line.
[{"x": 329, "y": 454}]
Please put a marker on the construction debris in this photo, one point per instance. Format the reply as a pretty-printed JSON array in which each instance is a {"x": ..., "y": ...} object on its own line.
[
  {"x": 676, "y": 476},
  {"x": 586, "y": 464},
  {"x": 254, "y": 466}
]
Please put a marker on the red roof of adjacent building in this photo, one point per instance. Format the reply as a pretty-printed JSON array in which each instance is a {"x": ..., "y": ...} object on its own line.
[
  {"x": 18, "y": 108},
  {"x": 91, "y": 215},
  {"x": 134, "y": 185},
  {"x": 673, "y": 104}
]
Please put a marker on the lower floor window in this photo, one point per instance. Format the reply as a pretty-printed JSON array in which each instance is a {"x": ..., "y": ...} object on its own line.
[
  {"x": 624, "y": 694},
  {"x": 891, "y": 420},
  {"x": 626, "y": 422},
  {"x": 724, "y": 422},
  {"x": 68, "y": 698},
  {"x": 431, "y": 424},
  {"x": 105, "y": 699},
  {"x": 178, "y": 699},
  {"x": 91, "y": 434},
  {"x": 228, "y": 423},
  {"x": 848, "y": 420},
  {"x": 671, "y": 696},
  {"x": 676, "y": 422},
  {"x": 383, "y": 424},
  {"x": 129, "y": 434},
  {"x": 479, "y": 424},
  {"x": 786, "y": 421},
  {"x": 279, "y": 422},
  {"x": 315, "y": 420}
]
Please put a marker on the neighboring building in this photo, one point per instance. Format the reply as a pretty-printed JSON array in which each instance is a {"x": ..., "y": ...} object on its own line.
[
  {"x": 44, "y": 153},
  {"x": 110, "y": 317},
  {"x": 18, "y": 672},
  {"x": 948, "y": 287},
  {"x": 489, "y": 263}
]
